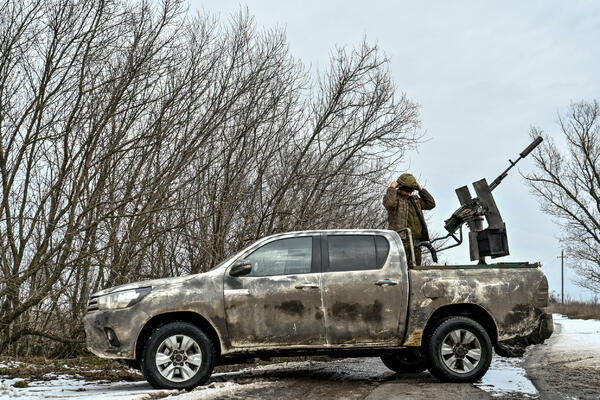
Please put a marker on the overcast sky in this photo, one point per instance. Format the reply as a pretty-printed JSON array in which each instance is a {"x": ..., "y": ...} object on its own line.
[{"x": 483, "y": 73}]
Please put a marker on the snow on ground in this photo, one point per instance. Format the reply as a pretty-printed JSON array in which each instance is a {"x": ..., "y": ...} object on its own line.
[
  {"x": 67, "y": 387},
  {"x": 577, "y": 334},
  {"x": 10, "y": 364},
  {"x": 217, "y": 390}
]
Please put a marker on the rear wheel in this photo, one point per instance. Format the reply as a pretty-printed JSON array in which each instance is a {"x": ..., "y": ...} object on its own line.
[
  {"x": 178, "y": 355},
  {"x": 405, "y": 361},
  {"x": 458, "y": 350}
]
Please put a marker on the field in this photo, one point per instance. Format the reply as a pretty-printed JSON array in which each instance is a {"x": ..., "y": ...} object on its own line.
[{"x": 576, "y": 309}]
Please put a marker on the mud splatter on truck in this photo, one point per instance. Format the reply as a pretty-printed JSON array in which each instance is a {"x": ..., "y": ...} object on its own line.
[{"x": 297, "y": 293}]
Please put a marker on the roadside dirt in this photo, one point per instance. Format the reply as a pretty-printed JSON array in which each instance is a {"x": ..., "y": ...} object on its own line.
[
  {"x": 87, "y": 368},
  {"x": 563, "y": 373}
]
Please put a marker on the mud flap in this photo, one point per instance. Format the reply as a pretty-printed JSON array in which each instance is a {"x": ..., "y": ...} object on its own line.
[{"x": 516, "y": 347}]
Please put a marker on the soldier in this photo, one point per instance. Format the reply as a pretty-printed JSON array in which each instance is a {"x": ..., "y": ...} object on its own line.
[{"x": 405, "y": 211}]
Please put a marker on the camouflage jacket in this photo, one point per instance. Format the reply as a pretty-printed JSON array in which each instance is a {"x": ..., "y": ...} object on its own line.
[{"x": 397, "y": 208}]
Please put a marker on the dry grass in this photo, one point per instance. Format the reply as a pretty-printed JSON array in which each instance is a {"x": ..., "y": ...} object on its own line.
[
  {"x": 97, "y": 369},
  {"x": 577, "y": 309},
  {"x": 87, "y": 368}
]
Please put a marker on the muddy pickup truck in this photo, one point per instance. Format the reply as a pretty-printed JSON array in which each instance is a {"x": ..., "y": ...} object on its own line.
[{"x": 343, "y": 293}]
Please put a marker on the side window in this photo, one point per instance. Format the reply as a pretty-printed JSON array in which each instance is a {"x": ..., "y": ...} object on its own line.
[
  {"x": 282, "y": 257},
  {"x": 382, "y": 247},
  {"x": 356, "y": 252}
]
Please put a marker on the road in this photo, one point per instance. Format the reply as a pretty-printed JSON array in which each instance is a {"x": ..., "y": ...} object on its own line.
[
  {"x": 358, "y": 378},
  {"x": 568, "y": 364}
]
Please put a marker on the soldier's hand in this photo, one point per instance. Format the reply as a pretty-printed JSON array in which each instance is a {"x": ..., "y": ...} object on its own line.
[
  {"x": 419, "y": 187},
  {"x": 394, "y": 184}
]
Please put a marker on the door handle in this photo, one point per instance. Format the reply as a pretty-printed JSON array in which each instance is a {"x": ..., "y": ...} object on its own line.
[
  {"x": 386, "y": 282},
  {"x": 307, "y": 286}
]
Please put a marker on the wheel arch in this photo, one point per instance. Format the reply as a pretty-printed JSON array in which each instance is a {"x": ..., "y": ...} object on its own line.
[
  {"x": 183, "y": 316},
  {"x": 469, "y": 310}
]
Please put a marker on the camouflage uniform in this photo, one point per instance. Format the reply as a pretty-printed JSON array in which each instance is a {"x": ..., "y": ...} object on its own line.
[{"x": 402, "y": 214}]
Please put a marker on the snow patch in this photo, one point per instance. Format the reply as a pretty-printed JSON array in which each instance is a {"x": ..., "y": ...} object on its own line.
[
  {"x": 10, "y": 364},
  {"x": 66, "y": 387},
  {"x": 269, "y": 367},
  {"x": 218, "y": 390}
]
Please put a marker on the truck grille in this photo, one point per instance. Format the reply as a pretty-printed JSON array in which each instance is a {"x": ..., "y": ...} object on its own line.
[{"x": 93, "y": 304}]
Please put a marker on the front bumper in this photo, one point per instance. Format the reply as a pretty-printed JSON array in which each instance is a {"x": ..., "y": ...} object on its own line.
[
  {"x": 516, "y": 347},
  {"x": 125, "y": 324}
]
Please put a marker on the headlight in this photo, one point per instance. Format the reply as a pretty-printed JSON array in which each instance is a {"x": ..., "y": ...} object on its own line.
[{"x": 123, "y": 299}]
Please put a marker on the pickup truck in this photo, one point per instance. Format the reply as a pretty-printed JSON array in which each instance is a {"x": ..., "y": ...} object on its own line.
[{"x": 343, "y": 293}]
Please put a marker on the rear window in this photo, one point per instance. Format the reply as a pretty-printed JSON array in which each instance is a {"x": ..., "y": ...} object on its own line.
[
  {"x": 382, "y": 249},
  {"x": 356, "y": 252}
]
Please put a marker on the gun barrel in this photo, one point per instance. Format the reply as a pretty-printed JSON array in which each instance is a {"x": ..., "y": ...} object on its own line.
[
  {"x": 522, "y": 154},
  {"x": 532, "y": 146}
]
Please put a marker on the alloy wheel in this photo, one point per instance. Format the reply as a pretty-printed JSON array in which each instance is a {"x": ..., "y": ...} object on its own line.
[
  {"x": 178, "y": 358},
  {"x": 461, "y": 351}
]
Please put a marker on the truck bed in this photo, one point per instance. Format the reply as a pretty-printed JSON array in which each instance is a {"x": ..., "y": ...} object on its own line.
[{"x": 513, "y": 295}]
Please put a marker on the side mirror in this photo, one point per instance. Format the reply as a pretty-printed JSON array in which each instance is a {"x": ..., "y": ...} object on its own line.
[{"x": 240, "y": 268}]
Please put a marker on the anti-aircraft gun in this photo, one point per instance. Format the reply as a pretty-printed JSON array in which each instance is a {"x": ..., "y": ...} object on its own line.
[{"x": 492, "y": 240}]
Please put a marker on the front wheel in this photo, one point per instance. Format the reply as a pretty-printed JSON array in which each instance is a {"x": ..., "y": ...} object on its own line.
[
  {"x": 178, "y": 355},
  {"x": 459, "y": 350},
  {"x": 405, "y": 361}
]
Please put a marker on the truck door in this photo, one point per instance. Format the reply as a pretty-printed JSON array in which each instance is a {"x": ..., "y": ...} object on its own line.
[
  {"x": 279, "y": 302},
  {"x": 364, "y": 289}
]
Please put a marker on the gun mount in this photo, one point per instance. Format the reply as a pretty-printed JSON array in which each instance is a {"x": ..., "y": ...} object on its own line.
[{"x": 491, "y": 241}]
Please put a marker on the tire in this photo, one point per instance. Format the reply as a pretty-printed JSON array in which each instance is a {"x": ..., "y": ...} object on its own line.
[
  {"x": 452, "y": 349},
  {"x": 405, "y": 361},
  {"x": 178, "y": 355}
]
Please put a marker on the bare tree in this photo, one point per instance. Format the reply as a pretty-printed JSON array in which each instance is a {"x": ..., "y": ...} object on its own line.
[
  {"x": 568, "y": 186},
  {"x": 137, "y": 141}
]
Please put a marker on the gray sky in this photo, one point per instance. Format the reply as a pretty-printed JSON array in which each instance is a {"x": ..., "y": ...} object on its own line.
[{"x": 483, "y": 72}]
